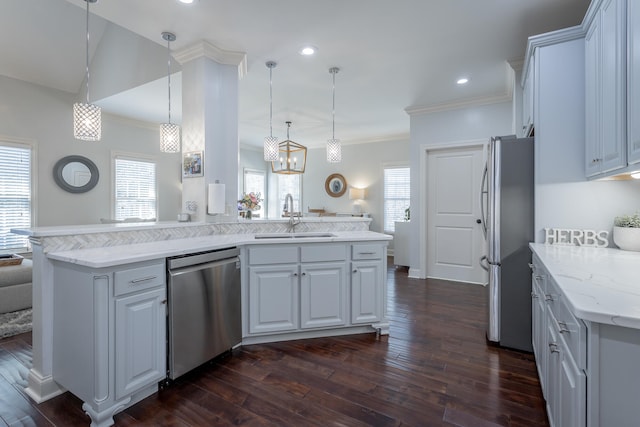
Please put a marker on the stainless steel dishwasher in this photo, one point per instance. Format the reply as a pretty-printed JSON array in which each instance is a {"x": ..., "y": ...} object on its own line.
[{"x": 204, "y": 317}]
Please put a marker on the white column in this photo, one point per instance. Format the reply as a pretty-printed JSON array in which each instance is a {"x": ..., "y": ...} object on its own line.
[{"x": 210, "y": 121}]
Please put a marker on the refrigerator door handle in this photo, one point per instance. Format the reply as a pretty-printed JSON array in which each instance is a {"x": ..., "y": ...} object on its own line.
[
  {"x": 484, "y": 193},
  {"x": 484, "y": 263}
]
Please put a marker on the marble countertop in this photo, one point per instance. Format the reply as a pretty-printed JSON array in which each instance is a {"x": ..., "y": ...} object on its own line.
[
  {"x": 117, "y": 255},
  {"x": 600, "y": 284}
]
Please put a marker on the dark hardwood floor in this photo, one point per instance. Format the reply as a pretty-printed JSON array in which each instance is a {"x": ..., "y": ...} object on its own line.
[{"x": 434, "y": 369}]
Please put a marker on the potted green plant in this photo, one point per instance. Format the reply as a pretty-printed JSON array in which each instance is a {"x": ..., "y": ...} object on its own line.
[{"x": 626, "y": 232}]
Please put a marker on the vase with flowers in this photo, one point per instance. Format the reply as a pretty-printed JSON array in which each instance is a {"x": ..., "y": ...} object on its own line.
[{"x": 249, "y": 203}]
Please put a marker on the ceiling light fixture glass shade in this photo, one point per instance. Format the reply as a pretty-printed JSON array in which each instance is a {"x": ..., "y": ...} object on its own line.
[
  {"x": 87, "y": 118},
  {"x": 271, "y": 149},
  {"x": 292, "y": 157},
  {"x": 334, "y": 148},
  {"x": 169, "y": 132}
]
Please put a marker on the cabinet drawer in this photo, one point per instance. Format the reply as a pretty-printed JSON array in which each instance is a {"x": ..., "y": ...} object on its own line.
[
  {"x": 372, "y": 251},
  {"x": 572, "y": 330},
  {"x": 324, "y": 252},
  {"x": 139, "y": 278},
  {"x": 281, "y": 254}
]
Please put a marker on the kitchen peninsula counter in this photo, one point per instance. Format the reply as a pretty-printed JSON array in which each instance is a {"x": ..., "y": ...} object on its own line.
[{"x": 117, "y": 255}]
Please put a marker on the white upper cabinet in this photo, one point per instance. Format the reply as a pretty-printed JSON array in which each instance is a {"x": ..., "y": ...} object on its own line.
[
  {"x": 605, "y": 100},
  {"x": 633, "y": 82}
]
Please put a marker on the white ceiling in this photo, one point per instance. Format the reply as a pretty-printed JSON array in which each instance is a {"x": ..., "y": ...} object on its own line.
[{"x": 392, "y": 55}]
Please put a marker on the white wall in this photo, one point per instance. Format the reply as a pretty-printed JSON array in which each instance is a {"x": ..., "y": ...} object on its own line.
[
  {"x": 451, "y": 126},
  {"x": 44, "y": 115}
]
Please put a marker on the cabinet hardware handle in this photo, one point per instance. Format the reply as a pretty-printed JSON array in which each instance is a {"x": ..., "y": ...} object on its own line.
[
  {"x": 366, "y": 253},
  {"x": 538, "y": 277},
  {"x": 164, "y": 301},
  {"x": 530, "y": 266},
  {"x": 295, "y": 274},
  {"x": 355, "y": 270},
  {"x": 553, "y": 347},
  {"x": 548, "y": 297},
  {"x": 563, "y": 327},
  {"x": 304, "y": 274},
  {"x": 142, "y": 279}
]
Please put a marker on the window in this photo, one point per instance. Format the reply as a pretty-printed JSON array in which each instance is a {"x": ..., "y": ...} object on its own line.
[
  {"x": 255, "y": 182},
  {"x": 15, "y": 195},
  {"x": 135, "y": 188},
  {"x": 397, "y": 195},
  {"x": 289, "y": 184}
]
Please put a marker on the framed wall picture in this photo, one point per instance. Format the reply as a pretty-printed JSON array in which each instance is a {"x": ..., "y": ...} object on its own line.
[{"x": 192, "y": 164}]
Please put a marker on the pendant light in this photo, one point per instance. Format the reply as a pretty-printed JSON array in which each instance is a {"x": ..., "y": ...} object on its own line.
[
  {"x": 334, "y": 149},
  {"x": 271, "y": 142},
  {"x": 169, "y": 132},
  {"x": 292, "y": 157},
  {"x": 87, "y": 118}
]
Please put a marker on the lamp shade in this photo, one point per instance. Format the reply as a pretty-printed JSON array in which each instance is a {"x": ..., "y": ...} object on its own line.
[
  {"x": 169, "y": 138},
  {"x": 356, "y": 194}
]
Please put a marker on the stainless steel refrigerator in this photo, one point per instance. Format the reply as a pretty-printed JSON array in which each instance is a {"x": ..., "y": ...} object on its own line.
[{"x": 507, "y": 208}]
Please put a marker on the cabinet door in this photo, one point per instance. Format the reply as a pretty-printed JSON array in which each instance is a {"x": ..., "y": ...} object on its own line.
[
  {"x": 633, "y": 82},
  {"x": 572, "y": 392},
  {"x": 539, "y": 331},
  {"x": 273, "y": 298},
  {"x": 592, "y": 99},
  {"x": 366, "y": 291},
  {"x": 140, "y": 341},
  {"x": 613, "y": 60},
  {"x": 323, "y": 297},
  {"x": 527, "y": 98},
  {"x": 553, "y": 372}
]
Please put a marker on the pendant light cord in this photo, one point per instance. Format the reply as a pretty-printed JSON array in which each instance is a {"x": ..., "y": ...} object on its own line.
[
  {"x": 333, "y": 109},
  {"x": 169, "y": 74},
  {"x": 271, "y": 65},
  {"x": 87, "y": 53}
]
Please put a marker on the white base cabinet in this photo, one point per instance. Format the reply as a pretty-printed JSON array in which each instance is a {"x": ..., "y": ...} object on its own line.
[
  {"x": 588, "y": 371},
  {"x": 109, "y": 334},
  {"x": 295, "y": 290}
]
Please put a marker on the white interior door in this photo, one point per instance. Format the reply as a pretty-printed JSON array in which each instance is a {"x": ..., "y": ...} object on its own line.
[{"x": 454, "y": 238}]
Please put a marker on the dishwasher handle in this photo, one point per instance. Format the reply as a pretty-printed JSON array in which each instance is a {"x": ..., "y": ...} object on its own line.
[
  {"x": 197, "y": 267},
  {"x": 201, "y": 258}
]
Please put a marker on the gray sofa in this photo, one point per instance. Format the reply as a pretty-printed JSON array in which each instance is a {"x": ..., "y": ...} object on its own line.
[{"x": 15, "y": 287}]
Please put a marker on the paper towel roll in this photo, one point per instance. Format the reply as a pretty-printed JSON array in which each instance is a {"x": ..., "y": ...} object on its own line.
[{"x": 215, "y": 201}]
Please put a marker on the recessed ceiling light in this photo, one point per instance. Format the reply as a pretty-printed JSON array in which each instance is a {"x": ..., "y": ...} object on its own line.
[
  {"x": 463, "y": 81},
  {"x": 308, "y": 50}
]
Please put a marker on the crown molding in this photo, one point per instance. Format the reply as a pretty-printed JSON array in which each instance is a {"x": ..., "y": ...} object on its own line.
[
  {"x": 210, "y": 51},
  {"x": 472, "y": 102}
]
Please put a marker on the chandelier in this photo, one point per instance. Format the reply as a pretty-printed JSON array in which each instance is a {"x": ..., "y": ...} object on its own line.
[{"x": 292, "y": 157}]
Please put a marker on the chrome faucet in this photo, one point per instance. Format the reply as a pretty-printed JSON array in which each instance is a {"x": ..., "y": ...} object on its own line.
[{"x": 288, "y": 201}]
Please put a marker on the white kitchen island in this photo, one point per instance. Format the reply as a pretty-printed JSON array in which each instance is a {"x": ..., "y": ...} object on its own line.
[
  {"x": 586, "y": 334},
  {"x": 87, "y": 319}
]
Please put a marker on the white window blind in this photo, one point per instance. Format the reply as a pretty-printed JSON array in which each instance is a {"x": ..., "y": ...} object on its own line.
[
  {"x": 15, "y": 196},
  {"x": 397, "y": 186},
  {"x": 135, "y": 189},
  {"x": 290, "y": 184}
]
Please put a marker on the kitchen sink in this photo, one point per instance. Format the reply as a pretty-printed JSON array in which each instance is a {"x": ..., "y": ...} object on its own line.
[{"x": 293, "y": 235}]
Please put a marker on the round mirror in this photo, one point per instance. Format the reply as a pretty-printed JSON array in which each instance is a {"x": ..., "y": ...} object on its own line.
[
  {"x": 335, "y": 185},
  {"x": 75, "y": 174}
]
